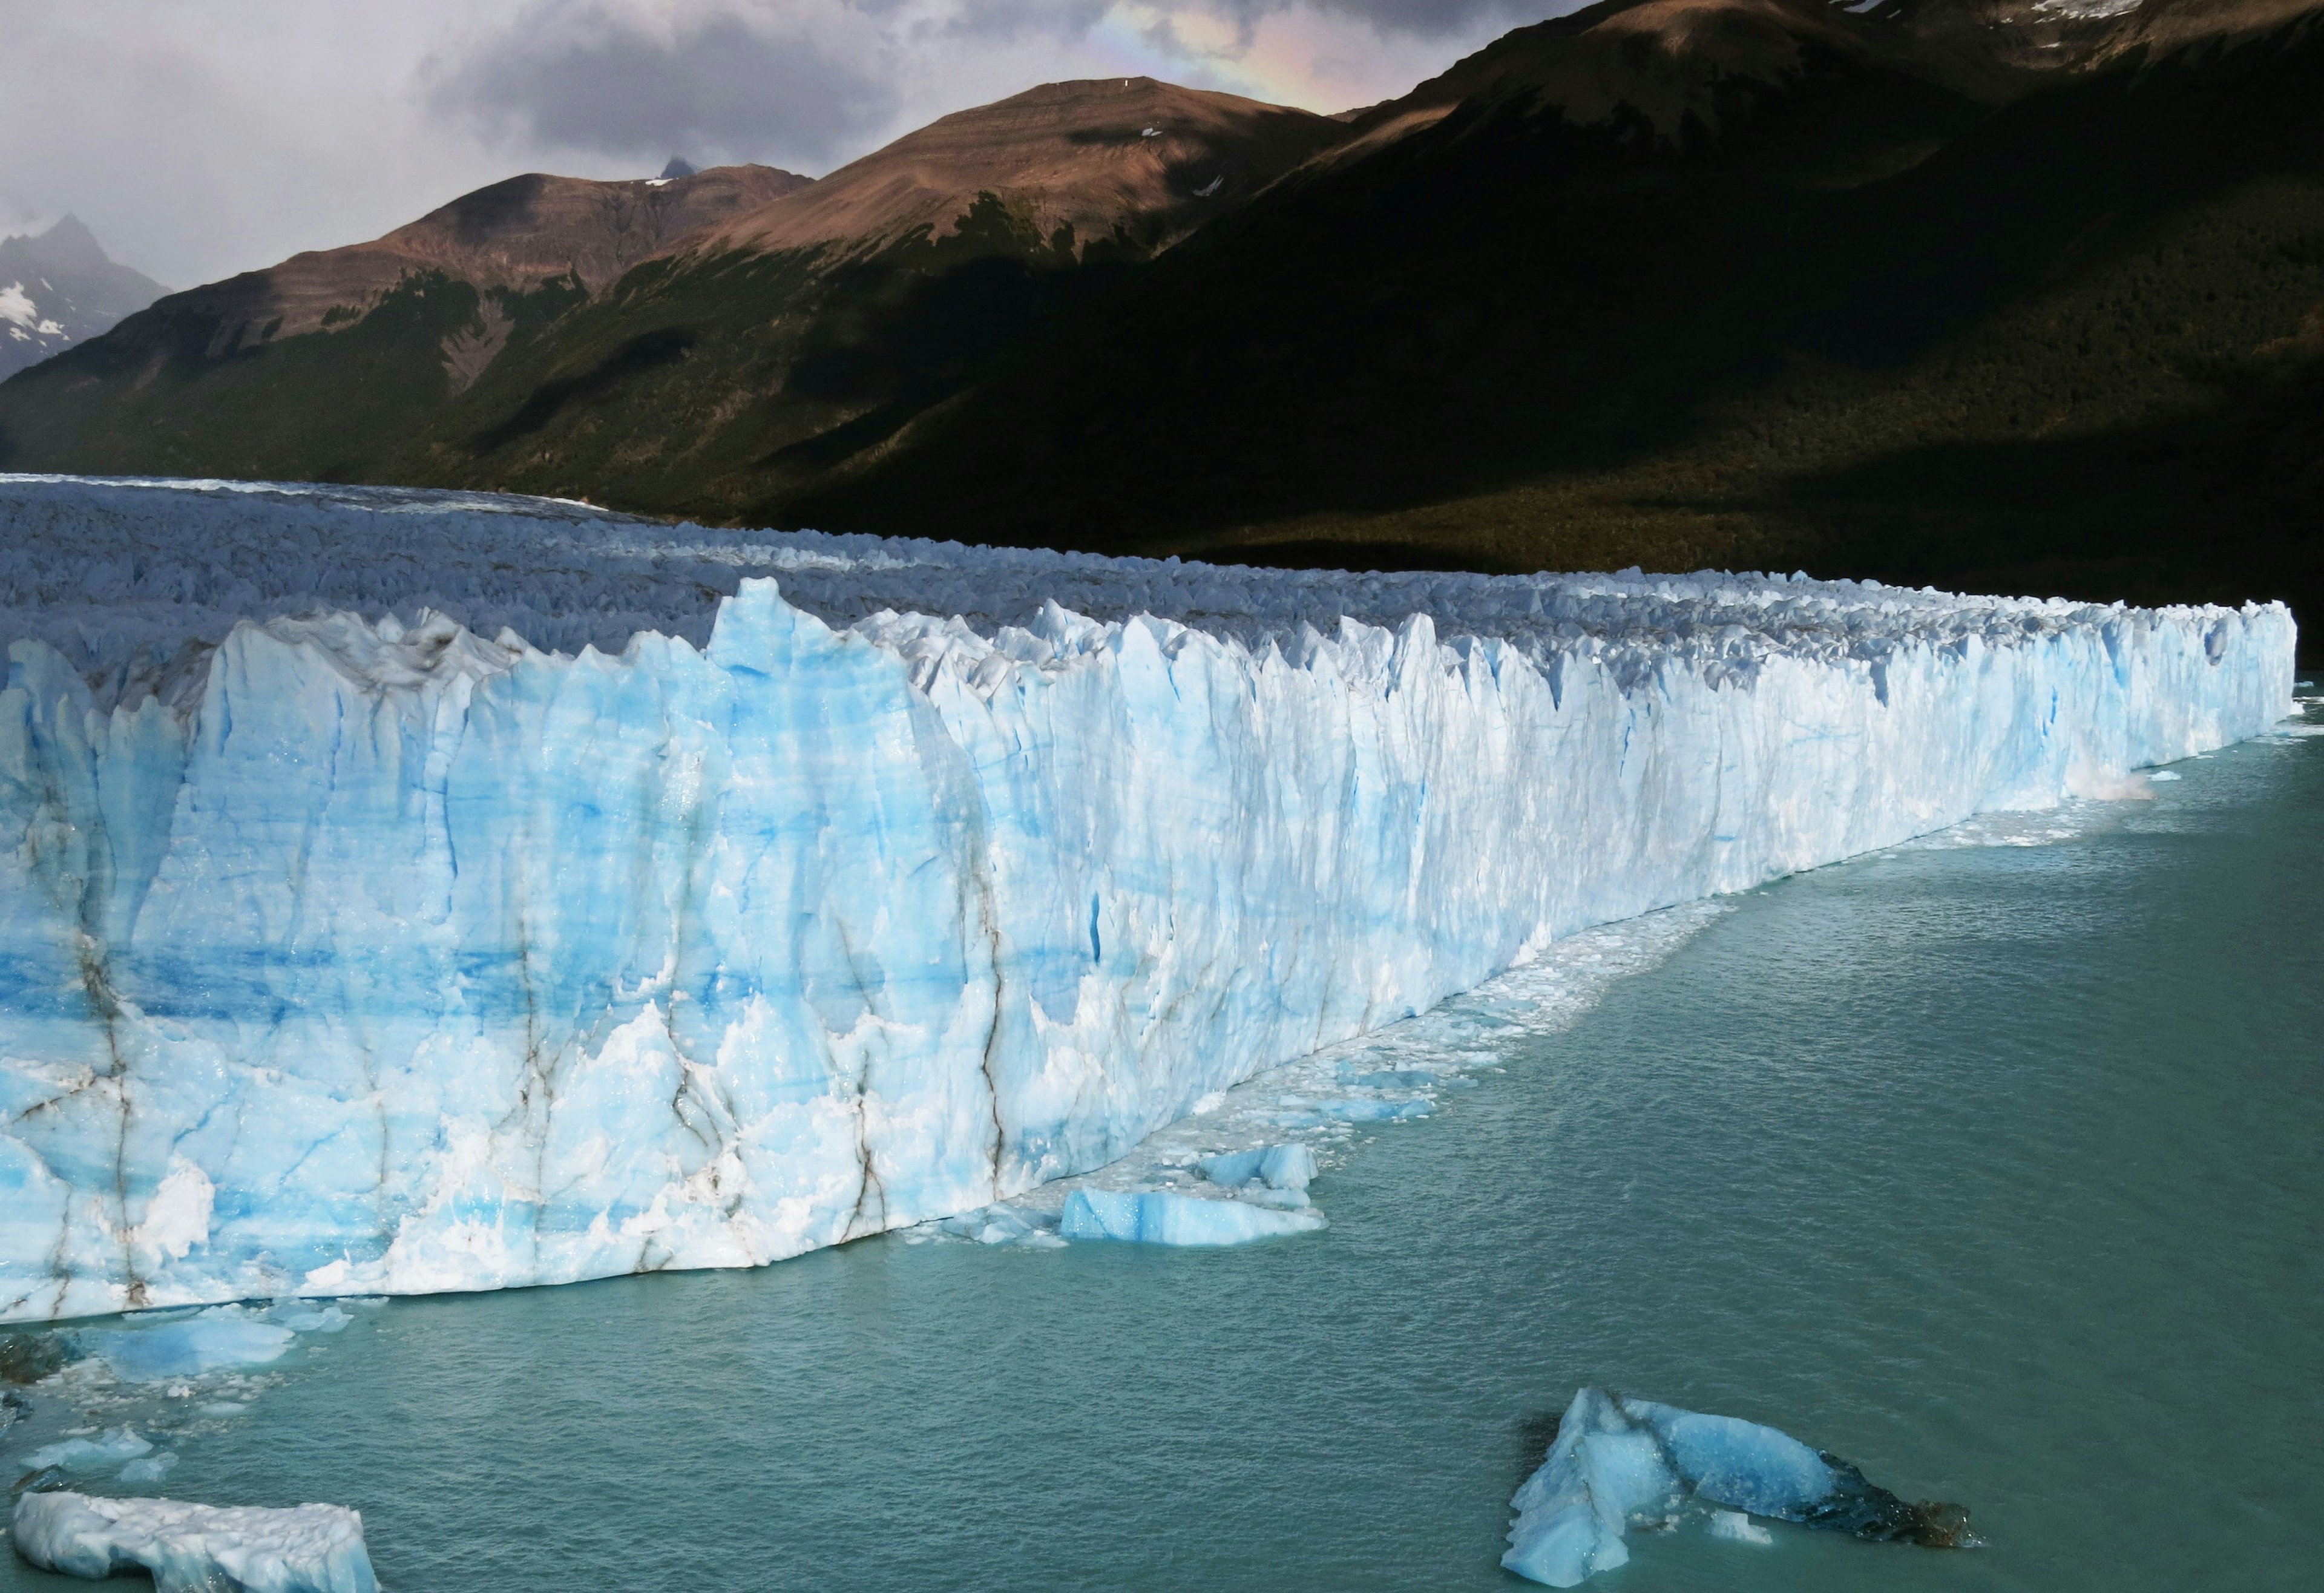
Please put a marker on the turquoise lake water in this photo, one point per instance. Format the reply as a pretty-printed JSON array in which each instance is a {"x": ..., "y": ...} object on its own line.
[{"x": 1997, "y": 1169}]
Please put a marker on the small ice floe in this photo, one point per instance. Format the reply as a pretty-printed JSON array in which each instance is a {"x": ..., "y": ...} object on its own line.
[
  {"x": 223, "y": 1337},
  {"x": 1157, "y": 1216},
  {"x": 89, "y": 1454},
  {"x": 150, "y": 1470},
  {"x": 1739, "y": 1528},
  {"x": 196, "y": 1548},
  {"x": 2162, "y": 776},
  {"x": 310, "y": 1316},
  {"x": 1149, "y": 133},
  {"x": 1005, "y": 1224},
  {"x": 1290, "y": 1168},
  {"x": 1617, "y": 1460},
  {"x": 1303, "y": 1113},
  {"x": 1275, "y": 1175}
]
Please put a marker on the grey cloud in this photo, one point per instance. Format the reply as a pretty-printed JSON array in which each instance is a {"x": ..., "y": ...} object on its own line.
[
  {"x": 1422, "y": 19},
  {"x": 1005, "y": 22},
  {"x": 722, "y": 87},
  {"x": 1008, "y": 21}
]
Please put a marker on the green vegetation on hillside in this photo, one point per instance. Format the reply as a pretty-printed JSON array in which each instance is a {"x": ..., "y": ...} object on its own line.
[
  {"x": 700, "y": 386},
  {"x": 152, "y": 399}
]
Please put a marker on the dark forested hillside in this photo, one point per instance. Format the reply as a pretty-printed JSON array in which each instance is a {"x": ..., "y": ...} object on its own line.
[{"x": 2074, "y": 342}]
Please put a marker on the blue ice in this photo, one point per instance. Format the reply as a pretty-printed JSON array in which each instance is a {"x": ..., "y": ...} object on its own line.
[
  {"x": 1156, "y": 1217},
  {"x": 214, "y": 1340},
  {"x": 1616, "y": 1462},
  {"x": 404, "y": 893},
  {"x": 1289, "y": 1167},
  {"x": 88, "y": 1454}
]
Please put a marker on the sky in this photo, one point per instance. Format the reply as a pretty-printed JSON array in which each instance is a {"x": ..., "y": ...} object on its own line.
[{"x": 200, "y": 139}]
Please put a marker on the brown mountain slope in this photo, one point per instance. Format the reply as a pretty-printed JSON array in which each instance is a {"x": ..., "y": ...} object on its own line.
[
  {"x": 1660, "y": 62},
  {"x": 1149, "y": 160},
  {"x": 648, "y": 338},
  {"x": 2053, "y": 35},
  {"x": 516, "y": 233},
  {"x": 765, "y": 349}
]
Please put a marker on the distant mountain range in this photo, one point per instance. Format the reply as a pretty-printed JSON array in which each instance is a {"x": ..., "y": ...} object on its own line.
[
  {"x": 57, "y": 289},
  {"x": 1981, "y": 293}
]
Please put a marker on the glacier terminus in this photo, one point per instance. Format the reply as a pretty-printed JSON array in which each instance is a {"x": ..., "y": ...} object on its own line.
[{"x": 406, "y": 892}]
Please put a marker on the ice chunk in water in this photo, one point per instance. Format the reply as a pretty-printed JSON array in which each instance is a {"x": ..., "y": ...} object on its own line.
[
  {"x": 1738, "y": 1528},
  {"x": 1155, "y": 1217},
  {"x": 1279, "y": 1166},
  {"x": 1740, "y": 1464},
  {"x": 306, "y": 1316},
  {"x": 1615, "y": 1460},
  {"x": 196, "y": 1548},
  {"x": 86, "y": 1454},
  {"x": 1003, "y": 1224},
  {"x": 217, "y": 1339},
  {"x": 151, "y": 1469},
  {"x": 1600, "y": 1471}
]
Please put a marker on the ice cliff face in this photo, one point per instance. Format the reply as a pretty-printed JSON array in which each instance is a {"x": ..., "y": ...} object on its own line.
[{"x": 341, "y": 954}]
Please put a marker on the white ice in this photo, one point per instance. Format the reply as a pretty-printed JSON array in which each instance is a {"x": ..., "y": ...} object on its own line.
[
  {"x": 196, "y": 1548},
  {"x": 1736, "y": 1527},
  {"x": 364, "y": 952}
]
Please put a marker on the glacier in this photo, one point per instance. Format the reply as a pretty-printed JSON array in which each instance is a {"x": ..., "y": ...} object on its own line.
[
  {"x": 1615, "y": 1461},
  {"x": 405, "y": 892}
]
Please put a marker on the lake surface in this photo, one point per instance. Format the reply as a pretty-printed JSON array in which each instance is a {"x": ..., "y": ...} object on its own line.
[{"x": 1995, "y": 1165}]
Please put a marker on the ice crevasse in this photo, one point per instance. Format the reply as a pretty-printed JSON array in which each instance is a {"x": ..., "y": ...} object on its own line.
[{"x": 342, "y": 954}]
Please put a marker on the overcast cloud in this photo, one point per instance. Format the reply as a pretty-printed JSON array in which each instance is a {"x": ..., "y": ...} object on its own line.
[{"x": 199, "y": 139}]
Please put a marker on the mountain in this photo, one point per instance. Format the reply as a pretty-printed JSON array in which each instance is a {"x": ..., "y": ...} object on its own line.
[
  {"x": 320, "y": 366},
  {"x": 638, "y": 341},
  {"x": 1127, "y": 160},
  {"x": 1725, "y": 284},
  {"x": 58, "y": 288},
  {"x": 1994, "y": 293}
]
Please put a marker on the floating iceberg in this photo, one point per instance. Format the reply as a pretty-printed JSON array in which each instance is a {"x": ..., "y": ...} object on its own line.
[
  {"x": 1618, "y": 1461},
  {"x": 1736, "y": 1527},
  {"x": 196, "y": 1548},
  {"x": 1158, "y": 1217},
  {"x": 1290, "y": 1167},
  {"x": 394, "y": 954},
  {"x": 151, "y": 1468},
  {"x": 89, "y": 1454},
  {"x": 214, "y": 1340}
]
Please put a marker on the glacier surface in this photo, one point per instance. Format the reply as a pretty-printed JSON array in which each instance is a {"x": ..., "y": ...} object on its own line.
[
  {"x": 403, "y": 892},
  {"x": 196, "y": 1548}
]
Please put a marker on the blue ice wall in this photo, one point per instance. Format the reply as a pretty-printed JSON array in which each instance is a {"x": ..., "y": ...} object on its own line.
[{"x": 356, "y": 955}]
